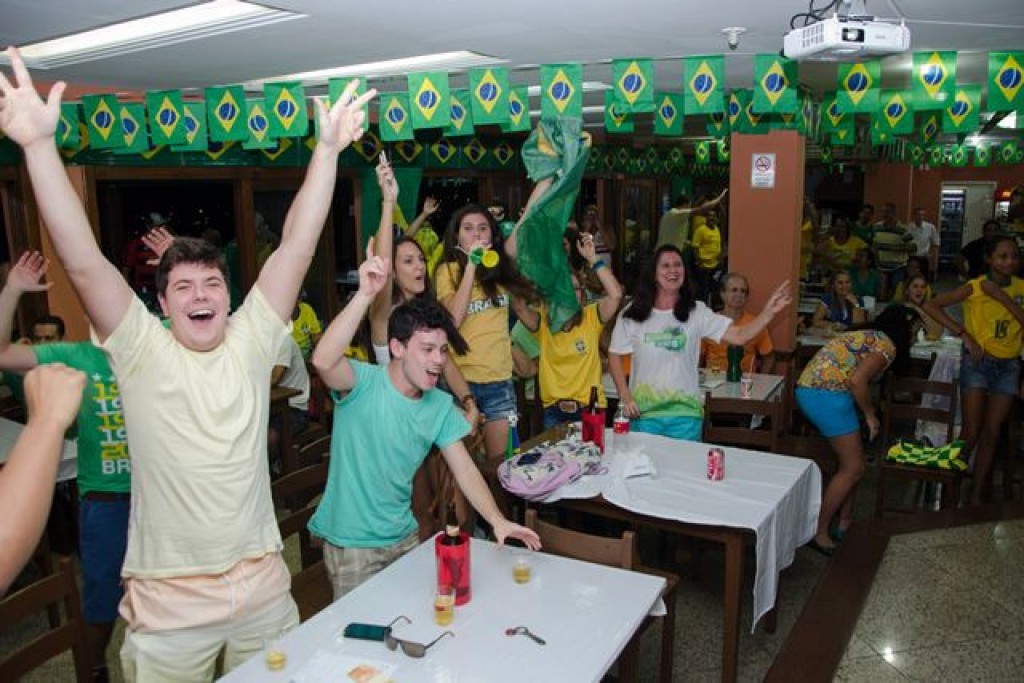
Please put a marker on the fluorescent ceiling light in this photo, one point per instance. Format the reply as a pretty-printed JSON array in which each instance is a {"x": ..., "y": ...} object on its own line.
[
  {"x": 588, "y": 86},
  {"x": 450, "y": 61},
  {"x": 1008, "y": 121},
  {"x": 156, "y": 30}
]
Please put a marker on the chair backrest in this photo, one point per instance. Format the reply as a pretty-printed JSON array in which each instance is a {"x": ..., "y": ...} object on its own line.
[
  {"x": 904, "y": 399},
  {"x": 727, "y": 421},
  {"x": 308, "y": 448},
  {"x": 53, "y": 589},
  {"x": 294, "y": 492},
  {"x": 611, "y": 552}
]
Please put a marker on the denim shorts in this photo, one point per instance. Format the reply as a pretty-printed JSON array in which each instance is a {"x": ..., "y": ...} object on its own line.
[
  {"x": 496, "y": 400},
  {"x": 102, "y": 538},
  {"x": 553, "y": 415},
  {"x": 833, "y": 413},
  {"x": 995, "y": 375},
  {"x": 683, "y": 428}
]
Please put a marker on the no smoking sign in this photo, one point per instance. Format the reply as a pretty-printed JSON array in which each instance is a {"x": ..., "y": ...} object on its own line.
[{"x": 762, "y": 170}]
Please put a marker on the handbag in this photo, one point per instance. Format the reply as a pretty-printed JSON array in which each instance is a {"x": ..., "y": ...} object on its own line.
[{"x": 907, "y": 452}]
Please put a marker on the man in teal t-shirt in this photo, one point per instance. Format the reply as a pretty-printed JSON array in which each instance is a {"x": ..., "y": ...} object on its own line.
[
  {"x": 104, "y": 468},
  {"x": 386, "y": 418}
]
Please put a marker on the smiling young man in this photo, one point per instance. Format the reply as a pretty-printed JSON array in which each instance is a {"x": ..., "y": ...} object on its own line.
[
  {"x": 386, "y": 419},
  {"x": 203, "y": 571}
]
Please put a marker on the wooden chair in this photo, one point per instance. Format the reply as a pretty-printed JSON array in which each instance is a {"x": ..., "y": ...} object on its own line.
[
  {"x": 727, "y": 421},
  {"x": 71, "y": 634},
  {"x": 621, "y": 553},
  {"x": 311, "y": 586},
  {"x": 912, "y": 410},
  {"x": 799, "y": 438}
]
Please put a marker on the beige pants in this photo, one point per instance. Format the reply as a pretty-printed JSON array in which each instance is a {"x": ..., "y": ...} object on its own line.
[{"x": 349, "y": 567}]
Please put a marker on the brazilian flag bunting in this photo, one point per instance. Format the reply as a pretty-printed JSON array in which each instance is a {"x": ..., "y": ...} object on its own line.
[
  {"x": 933, "y": 79},
  {"x": 258, "y": 125},
  {"x": 958, "y": 156},
  {"x": 393, "y": 117},
  {"x": 857, "y": 87},
  {"x": 704, "y": 84},
  {"x": 103, "y": 121},
  {"x": 561, "y": 91},
  {"x": 1008, "y": 152},
  {"x": 722, "y": 153},
  {"x": 226, "y": 114},
  {"x": 633, "y": 85},
  {"x": 842, "y": 138},
  {"x": 982, "y": 155},
  {"x": 285, "y": 107},
  {"x": 133, "y": 127},
  {"x": 936, "y": 156},
  {"x": 717, "y": 124},
  {"x": 488, "y": 88},
  {"x": 668, "y": 116},
  {"x": 962, "y": 115},
  {"x": 615, "y": 120},
  {"x": 429, "y": 99},
  {"x": 336, "y": 86},
  {"x": 461, "y": 114},
  {"x": 194, "y": 120},
  {"x": 894, "y": 115},
  {"x": 518, "y": 110},
  {"x": 166, "y": 117},
  {"x": 1005, "y": 75},
  {"x": 833, "y": 119},
  {"x": 775, "y": 85},
  {"x": 702, "y": 153},
  {"x": 68, "y": 134},
  {"x": 929, "y": 126}
]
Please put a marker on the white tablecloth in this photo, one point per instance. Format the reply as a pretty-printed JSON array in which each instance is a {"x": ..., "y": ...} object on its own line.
[
  {"x": 776, "y": 497},
  {"x": 11, "y": 430},
  {"x": 585, "y": 612}
]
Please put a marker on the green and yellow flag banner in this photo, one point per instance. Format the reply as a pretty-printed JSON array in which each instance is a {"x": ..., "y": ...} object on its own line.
[
  {"x": 443, "y": 154},
  {"x": 393, "y": 117},
  {"x": 474, "y": 152},
  {"x": 258, "y": 125},
  {"x": 879, "y": 133},
  {"x": 982, "y": 156},
  {"x": 133, "y": 128},
  {"x": 775, "y": 85},
  {"x": 962, "y": 115},
  {"x": 722, "y": 153},
  {"x": 933, "y": 80},
  {"x": 68, "y": 134},
  {"x": 668, "y": 116},
  {"x": 285, "y": 107},
  {"x": 1008, "y": 152},
  {"x": 702, "y": 152},
  {"x": 894, "y": 115},
  {"x": 166, "y": 116},
  {"x": 518, "y": 110},
  {"x": 857, "y": 87},
  {"x": 929, "y": 126},
  {"x": 460, "y": 113},
  {"x": 408, "y": 150},
  {"x": 103, "y": 122},
  {"x": 915, "y": 155},
  {"x": 226, "y": 114},
  {"x": 561, "y": 91},
  {"x": 368, "y": 147},
  {"x": 429, "y": 98},
  {"x": 704, "y": 84},
  {"x": 717, "y": 124},
  {"x": 336, "y": 86},
  {"x": 734, "y": 110},
  {"x": 1005, "y": 74},
  {"x": 488, "y": 88},
  {"x": 833, "y": 120},
  {"x": 843, "y": 138},
  {"x": 194, "y": 120},
  {"x": 958, "y": 156},
  {"x": 936, "y": 156},
  {"x": 633, "y": 85},
  {"x": 615, "y": 120}
]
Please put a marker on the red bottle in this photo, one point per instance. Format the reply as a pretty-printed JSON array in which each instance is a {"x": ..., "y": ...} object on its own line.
[
  {"x": 451, "y": 547},
  {"x": 593, "y": 421}
]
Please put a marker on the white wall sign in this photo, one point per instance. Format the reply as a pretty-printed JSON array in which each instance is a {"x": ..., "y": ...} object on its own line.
[{"x": 762, "y": 171}]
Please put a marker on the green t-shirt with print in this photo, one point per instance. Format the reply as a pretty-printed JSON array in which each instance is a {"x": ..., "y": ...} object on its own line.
[{"x": 103, "y": 462}]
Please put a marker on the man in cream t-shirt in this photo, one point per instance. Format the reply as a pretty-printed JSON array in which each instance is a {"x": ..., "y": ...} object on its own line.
[{"x": 203, "y": 571}]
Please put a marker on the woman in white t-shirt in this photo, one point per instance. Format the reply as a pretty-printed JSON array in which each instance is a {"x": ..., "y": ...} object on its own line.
[{"x": 662, "y": 328}]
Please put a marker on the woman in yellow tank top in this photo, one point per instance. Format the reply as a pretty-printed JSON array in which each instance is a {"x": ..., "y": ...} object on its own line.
[{"x": 990, "y": 364}]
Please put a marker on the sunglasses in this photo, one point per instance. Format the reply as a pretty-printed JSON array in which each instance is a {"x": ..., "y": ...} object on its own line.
[{"x": 410, "y": 648}]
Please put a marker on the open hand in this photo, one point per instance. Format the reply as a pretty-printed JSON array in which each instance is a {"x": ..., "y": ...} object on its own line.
[
  {"x": 158, "y": 240},
  {"x": 430, "y": 206},
  {"x": 26, "y": 275},
  {"x": 506, "y": 529},
  {"x": 24, "y": 116},
  {"x": 343, "y": 123},
  {"x": 585, "y": 245},
  {"x": 780, "y": 298}
]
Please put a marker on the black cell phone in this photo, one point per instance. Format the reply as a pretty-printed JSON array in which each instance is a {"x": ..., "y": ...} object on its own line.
[
  {"x": 529, "y": 458},
  {"x": 366, "y": 631}
]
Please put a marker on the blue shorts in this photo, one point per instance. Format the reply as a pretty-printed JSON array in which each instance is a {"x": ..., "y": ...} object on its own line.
[
  {"x": 553, "y": 415},
  {"x": 994, "y": 375},
  {"x": 684, "y": 428},
  {"x": 102, "y": 539},
  {"x": 496, "y": 400},
  {"x": 833, "y": 413}
]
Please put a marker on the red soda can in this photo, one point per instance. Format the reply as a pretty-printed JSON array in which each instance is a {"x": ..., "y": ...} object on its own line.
[{"x": 716, "y": 464}]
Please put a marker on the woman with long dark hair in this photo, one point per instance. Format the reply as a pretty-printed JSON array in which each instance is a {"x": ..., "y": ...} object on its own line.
[
  {"x": 662, "y": 328},
  {"x": 834, "y": 385}
]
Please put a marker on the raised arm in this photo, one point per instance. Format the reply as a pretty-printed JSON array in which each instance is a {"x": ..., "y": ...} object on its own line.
[
  {"x": 31, "y": 123},
  {"x": 329, "y": 356},
  {"x": 710, "y": 204},
  {"x": 380, "y": 309},
  {"x": 609, "y": 303},
  {"x": 430, "y": 205},
  {"x": 282, "y": 274},
  {"x": 53, "y": 393},
  {"x": 739, "y": 335},
  {"x": 24, "y": 277}
]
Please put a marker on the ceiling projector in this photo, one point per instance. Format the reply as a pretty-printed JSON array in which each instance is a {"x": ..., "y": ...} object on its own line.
[{"x": 839, "y": 39}]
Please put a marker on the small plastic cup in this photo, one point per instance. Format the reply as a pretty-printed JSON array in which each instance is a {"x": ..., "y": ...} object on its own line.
[
  {"x": 522, "y": 565},
  {"x": 444, "y": 605},
  {"x": 746, "y": 385},
  {"x": 273, "y": 654}
]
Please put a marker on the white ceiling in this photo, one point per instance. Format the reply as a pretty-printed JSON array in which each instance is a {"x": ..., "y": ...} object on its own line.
[{"x": 524, "y": 32}]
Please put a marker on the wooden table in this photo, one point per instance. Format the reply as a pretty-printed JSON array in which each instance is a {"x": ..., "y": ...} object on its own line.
[
  {"x": 797, "y": 497},
  {"x": 763, "y": 387},
  {"x": 586, "y": 612}
]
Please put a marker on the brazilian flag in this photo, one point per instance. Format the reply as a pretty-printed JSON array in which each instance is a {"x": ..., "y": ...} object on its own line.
[
  {"x": 1005, "y": 75},
  {"x": 895, "y": 116},
  {"x": 193, "y": 116},
  {"x": 962, "y": 115},
  {"x": 103, "y": 121},
  {"x": 133, "y": 127},
  {"x": 936, "y": 156},
  {"x": 429, "y": 98},
  {"x": 488, "y": 88},
  {"x": 668, "y": 117},
  {"x": 857, "y": 87},
  {"x": 561, "y": 91},
  {"x": 393, "y": 117},
  {"x": 702, "y": 152},
  {"x": 633, "y": 85},
  {"x": 166, "y": 116},
  {"x": 775, "y": 85},
  {"x": 722, "y": 153},
  {"x": 915, "y": 155},
  {"x": 958, "y": 156},
  {"x": 933, "y": 80},
  {"x": 704, "y": 84},
  {"x": 518, "y": 110},
  {"x": 615, "y": 119},
  {"x": 556, "y": 149},
  {"x": 461, "y": 114},
  {"x": 227, "y": 114},
  {"x": 1008, "y": 152},
  {"x": 68, "y": 133},
  {"x": 929, "y": 126},
  {"x": 258, "y": 125},
  {"x": 285, "y": 106},
  {"x": 982, "y": 156}
]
